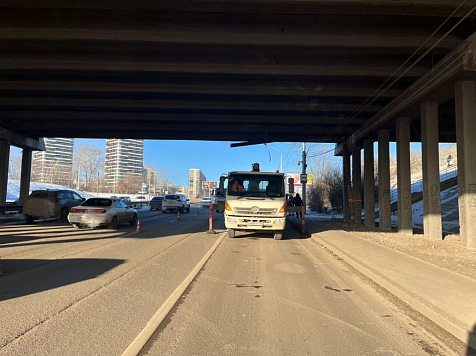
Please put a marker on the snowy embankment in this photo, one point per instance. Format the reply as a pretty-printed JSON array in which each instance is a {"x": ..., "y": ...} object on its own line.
[{"x": 13, "y": 189}]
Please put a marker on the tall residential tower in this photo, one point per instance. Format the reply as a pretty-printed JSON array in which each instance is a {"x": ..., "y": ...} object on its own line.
[
  {"x": 123, "y": 166},
  {"x": 55, "y": 164},
  {"x": 195, "y": 179}
]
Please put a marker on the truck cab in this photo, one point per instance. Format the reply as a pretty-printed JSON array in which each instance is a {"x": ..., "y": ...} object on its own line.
[{"x": 255, "y": 201}]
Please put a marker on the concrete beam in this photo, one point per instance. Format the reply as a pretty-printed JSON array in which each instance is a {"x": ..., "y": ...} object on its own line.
[
  {"x": 357, "y": 184},
  {"x": 21, "y": 141},
  {"x": 226, "y": 34},
  {"x": 313, "y": 105},
  {"x": 466, "y": 145},
  {"x": 209, "y": 67},
  {"x": 208, "y": 87},
  {"x": 369, "y": 183},
  {"x": 431, "y": 171},
  {"x": 405, "y": 221},
  {"x": 346, "y": 176},
  {"x": 4, "y": 162},
  {"x": 25, "y": 175},
  {"x": 457, "y": 61},
  {"x": 384, "y": 209}
]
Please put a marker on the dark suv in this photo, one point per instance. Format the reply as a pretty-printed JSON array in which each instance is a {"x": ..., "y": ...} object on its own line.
[
  {"x": 44, "y": 204},
  {"x": 156, "y": 203}
]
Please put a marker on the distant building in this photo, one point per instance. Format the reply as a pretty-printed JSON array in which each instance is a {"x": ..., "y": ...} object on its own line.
[
  {"x": 195, "y": 179},
  {"x": 124, "y": 165},
  {"x": 149, "y": 180},
  {"x": 55, "y": 164}
]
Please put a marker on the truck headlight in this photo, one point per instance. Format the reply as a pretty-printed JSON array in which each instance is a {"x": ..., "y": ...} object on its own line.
[
  {"x": 278, "y": 221},
  {"x": 231, "y": 220}
]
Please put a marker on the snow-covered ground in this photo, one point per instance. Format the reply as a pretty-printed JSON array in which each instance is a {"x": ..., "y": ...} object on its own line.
[{"x": 13, "y": 189}]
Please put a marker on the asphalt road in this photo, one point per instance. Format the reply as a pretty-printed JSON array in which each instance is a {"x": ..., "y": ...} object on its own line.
[{"x": 91, "y": 292}]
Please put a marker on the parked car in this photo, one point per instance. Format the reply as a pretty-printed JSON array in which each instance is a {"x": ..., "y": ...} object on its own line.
[
  {"x": 156, "y": 203},
  {"x": 95, "y": 212},
  {"x": 126, "y": 200},
  {"x": 175, "y": 202},
  {"x": 206, "y": 202},
  {"x": 44, "y": 204}
]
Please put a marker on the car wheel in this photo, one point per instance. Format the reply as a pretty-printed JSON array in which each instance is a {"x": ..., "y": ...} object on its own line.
[
  {"x": 134, "y": 220},
  {"x": 164, "y": 211},
  {"x": 278, "y": 235},
  {"x": 181, "y": 209},
  {"x": 113, "y": 223},
  {"x": 231, "y": 233},
  {"x": 76, "y": 226},
  {"x": 64, "y": 214},
  {"x": 29, "y": 219},
  {"x": 188, "y": 210}
]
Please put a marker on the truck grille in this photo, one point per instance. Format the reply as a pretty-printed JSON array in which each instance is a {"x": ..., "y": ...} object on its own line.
[{"x": 262, "y": 211}]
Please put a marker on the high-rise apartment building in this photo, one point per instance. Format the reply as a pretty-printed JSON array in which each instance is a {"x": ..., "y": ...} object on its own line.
[
  {"x": 195, "y": 179},
  {"x": 123, "y": 165},
  {"x": 149, "y": 180},
  {"x": 55, "y": 164}
]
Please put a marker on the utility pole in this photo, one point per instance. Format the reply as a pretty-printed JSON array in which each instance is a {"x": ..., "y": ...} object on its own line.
[{"x": 304, "y": 165}]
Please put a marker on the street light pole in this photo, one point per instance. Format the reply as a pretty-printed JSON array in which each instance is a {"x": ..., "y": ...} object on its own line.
[
  {"x": 281, "y": 166},
  {"x": 304, "y": 165}
]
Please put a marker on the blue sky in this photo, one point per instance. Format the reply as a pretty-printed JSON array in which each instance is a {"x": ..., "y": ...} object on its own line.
[{"x": 174, "y": 158}]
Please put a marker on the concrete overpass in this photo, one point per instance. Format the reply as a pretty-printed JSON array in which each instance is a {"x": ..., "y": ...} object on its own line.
[{"x": 253, "y": 71}]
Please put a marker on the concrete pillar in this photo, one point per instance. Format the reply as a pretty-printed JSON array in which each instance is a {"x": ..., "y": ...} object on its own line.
[
  {"x": 405, "y": 221},
  {"x": 431, "y": 171},
  {"x": 465, "y": 101},
  {"x": 4, "y": 161},
  {"x": 385, "y": 216},
  {"x": 346, "y": 175},
  {"x": 357, "y": 184},
  {"x": 25, "y": 175},
  {"x": 369, "y": 183}
]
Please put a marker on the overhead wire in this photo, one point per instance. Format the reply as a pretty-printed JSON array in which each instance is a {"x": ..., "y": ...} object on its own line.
[{"x": 372, "y": 98}]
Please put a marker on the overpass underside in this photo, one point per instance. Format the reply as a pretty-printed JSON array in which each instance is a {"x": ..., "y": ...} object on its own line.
[{"x": 253, "y": 71}]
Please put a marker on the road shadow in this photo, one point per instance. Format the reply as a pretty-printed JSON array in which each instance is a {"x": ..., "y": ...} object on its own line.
[
  {"x": 23, "y": 277},
  {"x": 289, "y": 234}
]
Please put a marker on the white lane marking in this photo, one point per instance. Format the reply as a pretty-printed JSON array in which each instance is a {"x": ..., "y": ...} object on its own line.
[
  {"x": 153, "y": 324},
  {"x": 173, "y": 221}
]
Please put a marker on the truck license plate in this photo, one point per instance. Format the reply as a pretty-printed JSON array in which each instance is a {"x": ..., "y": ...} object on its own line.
[{"x": 255, "y": 224}]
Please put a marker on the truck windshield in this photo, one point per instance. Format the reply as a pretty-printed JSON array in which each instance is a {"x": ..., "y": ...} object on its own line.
[{"x": 256, "y": 185}]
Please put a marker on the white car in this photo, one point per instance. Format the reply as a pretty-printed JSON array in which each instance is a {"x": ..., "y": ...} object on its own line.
[
  {"x": 102, "y": 211},
  {"x": 175, "y": 202},
  {"x": 207, "y": 202}
]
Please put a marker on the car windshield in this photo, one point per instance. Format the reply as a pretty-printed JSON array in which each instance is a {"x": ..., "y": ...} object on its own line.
[
  {"x": 158, "y": 198},
  {"x": 97, "y": 202},
  {"x": 171, "y": 197},
  {"x": 256, "y": 185}
]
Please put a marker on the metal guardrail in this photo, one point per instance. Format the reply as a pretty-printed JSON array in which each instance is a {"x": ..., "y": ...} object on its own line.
[{"x": 447, "y": 172}]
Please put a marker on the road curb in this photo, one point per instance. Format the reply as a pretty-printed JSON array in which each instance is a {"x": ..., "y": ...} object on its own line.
[
  {"x": 401, "y": 293},
  {"x": 153, "y": 324}
]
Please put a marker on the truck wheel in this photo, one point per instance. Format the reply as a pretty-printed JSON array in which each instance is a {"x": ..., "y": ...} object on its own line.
[
  {"x": 278, "y": 235},
  {"x": 29, "y": 219},
  {"x": 231, "y": 233}
]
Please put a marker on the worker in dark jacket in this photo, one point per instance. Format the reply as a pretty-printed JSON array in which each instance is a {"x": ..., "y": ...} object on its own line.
[{"x": 298, "y": 202}]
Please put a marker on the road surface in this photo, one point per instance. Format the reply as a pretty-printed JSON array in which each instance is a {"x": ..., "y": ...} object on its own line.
[{"x": 91, "y": 292}]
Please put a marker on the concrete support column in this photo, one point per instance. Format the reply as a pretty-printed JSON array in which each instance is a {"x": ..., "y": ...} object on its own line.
[
  {"x": 346, "y": 176},
  {"x": 431, "y": 171},
  {"x": 25, "y": 175},
  {"x": 369, "y": 183},
  {"x": 405, "y": 221},
  {"x": 465, "y": 101},
  {"x": 357, "y": 184},
  {"x": 384, "y": 209},
  {"x": 4, "y": 161}
]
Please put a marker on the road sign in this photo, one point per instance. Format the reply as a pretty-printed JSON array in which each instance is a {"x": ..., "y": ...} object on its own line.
[{"x": 304, "y": 178}]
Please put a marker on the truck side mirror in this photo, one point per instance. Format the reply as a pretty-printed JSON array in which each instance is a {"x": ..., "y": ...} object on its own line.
[
  {"x": 291, "y": 185},
  {"x": 221, "y": 188}
]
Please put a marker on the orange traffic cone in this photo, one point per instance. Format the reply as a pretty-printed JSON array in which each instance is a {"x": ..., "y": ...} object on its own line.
[
  {"x": 178, "y": 215},
  {"x": 138, "y": 227}
]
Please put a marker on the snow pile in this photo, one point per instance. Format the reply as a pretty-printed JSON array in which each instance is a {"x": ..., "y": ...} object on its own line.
[{"x": 13, "y": 189}]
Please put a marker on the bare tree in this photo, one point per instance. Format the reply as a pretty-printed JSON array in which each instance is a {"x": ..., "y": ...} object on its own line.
[{"x": 89, "y": 160}]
